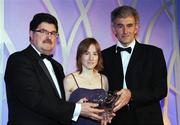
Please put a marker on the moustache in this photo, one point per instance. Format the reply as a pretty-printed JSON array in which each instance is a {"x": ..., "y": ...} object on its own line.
[{"x": 47, "y": 41}]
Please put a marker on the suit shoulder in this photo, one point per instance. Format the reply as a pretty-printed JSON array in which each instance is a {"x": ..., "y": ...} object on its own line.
[
  {"x": 21, "y": 53},
  {"x": 58, "y": 64},
  {"x": 55, "y": 61},
  {"x": 149, "y": 47},
  {"x": 16, "y": 56},
  {"x": 109, "y": 49}
]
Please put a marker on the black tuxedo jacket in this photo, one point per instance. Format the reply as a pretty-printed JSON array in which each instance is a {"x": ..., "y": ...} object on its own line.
[
  {"x": 31, "y": 94},
  {"x": 146, "y": 78}
]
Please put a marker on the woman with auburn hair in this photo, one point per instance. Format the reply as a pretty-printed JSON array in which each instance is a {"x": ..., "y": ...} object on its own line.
[{"x": 86, "y": 82}]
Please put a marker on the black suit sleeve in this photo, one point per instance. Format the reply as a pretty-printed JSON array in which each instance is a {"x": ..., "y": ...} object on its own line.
[
  {"x": 154, "y": 85},
  {"x": 25, "y": 86}
]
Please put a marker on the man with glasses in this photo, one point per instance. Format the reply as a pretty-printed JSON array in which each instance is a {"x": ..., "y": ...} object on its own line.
[
  {"x": 137, "y": 70},
  {"x": 34, "y": 81}
]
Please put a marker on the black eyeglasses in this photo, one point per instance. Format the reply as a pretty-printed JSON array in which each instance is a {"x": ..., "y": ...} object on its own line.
[{"x": 45, "y": 32}]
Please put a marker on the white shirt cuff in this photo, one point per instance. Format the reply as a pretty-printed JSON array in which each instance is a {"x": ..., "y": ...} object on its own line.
[{"x": 77, "y": 112}]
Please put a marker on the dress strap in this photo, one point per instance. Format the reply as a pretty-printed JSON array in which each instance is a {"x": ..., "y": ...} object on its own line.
[
  {"x": 75, "y": 79},
  {"x": 101, "y": 82}
]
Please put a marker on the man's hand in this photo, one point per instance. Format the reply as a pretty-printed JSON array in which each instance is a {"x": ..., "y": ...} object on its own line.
[
  {"x": 107, "y": 119},
  {"x": 89, "y": 110},
  {"x": 125, "y": 96}
]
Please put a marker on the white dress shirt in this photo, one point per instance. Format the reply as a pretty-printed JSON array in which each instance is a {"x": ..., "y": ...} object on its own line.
[
  {"x": 49, "y": 66},
  {"x": 125, "y": 57}
]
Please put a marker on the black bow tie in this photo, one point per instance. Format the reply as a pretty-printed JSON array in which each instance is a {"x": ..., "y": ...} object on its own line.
[
  {"x": 49, "y": 57},
  {"x": 119, "y": 49}
]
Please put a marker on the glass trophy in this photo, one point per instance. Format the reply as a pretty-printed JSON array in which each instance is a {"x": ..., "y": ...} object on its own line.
[{"x": 106, "y": 101}]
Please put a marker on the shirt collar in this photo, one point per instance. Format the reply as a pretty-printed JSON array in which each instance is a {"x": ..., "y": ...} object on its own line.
[
  {"x": 35, "y": 49},
  {"x": 132, "y": 45}
]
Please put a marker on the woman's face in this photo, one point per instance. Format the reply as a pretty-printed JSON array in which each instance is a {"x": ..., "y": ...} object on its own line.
[{"x": 90, "y": 58}]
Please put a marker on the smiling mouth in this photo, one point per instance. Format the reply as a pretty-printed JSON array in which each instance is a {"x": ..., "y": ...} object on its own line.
[{"x": 91, "y": 63}]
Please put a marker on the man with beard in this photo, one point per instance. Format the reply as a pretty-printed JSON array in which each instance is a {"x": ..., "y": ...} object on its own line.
[{"x": 34, "y": 81}]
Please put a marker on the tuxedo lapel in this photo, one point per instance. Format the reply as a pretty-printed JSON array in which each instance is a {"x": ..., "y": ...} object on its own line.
[
  {"x": 116, "y": 67},
  {"x": 118, "y": 61},
  {"x": 43, "y": 66},
  {"x": 60, "y": 76},
  {"x": 38, "y": 60},
  {"x": 135, "y": 58}
]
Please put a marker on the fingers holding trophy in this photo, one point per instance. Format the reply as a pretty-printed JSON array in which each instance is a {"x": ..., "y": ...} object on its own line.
[{"x": 105, "y": 101}]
